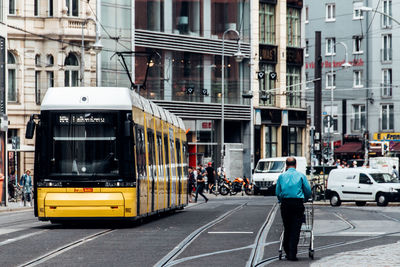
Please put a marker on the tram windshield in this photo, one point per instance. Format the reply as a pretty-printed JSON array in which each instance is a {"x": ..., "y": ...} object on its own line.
[{"x": 84, "y": 144}]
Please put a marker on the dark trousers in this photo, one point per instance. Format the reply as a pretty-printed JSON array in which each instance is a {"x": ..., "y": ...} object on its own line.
[
  {"x": 199, "y": 190},
  {"x": 292, "y": 211}
]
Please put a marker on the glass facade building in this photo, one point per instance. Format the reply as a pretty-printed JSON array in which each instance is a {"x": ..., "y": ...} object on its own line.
[{"x": 185, "y": 37}]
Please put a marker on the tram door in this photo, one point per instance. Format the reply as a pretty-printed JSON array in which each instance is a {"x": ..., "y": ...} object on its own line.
[{"x": 152, "y": 167}]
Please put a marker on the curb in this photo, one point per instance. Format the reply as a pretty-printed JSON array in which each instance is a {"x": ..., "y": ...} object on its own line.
[{"x": 3, "y": 210}]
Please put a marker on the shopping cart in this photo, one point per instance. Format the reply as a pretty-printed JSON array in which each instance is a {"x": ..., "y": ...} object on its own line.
[{"x": 306, "y": 233}]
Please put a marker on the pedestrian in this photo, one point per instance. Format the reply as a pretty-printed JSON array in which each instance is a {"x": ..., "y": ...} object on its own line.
[
  {"x": 292, "y": 189},
  {"x": 200, "y": 185},
  {"x": 26, "y": 184},
  {"x": 395, "y": 173},
  {"x": 11, "y": 187},
  {"x": 354, "y": 164},
  {"x": 191, "y": 183},
  {"x": 211, "y": 177}
]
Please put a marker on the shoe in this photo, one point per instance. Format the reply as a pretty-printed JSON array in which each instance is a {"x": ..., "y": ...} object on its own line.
[{"x": 206, "y": 200}]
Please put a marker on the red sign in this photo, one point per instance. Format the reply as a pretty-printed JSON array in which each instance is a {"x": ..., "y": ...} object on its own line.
[
  {"x": 336, "y": 64},
  {"x": 206, "y": 125}
]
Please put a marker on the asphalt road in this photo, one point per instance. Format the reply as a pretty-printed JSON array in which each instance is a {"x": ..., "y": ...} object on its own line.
[{"x": 236, "y": 231}]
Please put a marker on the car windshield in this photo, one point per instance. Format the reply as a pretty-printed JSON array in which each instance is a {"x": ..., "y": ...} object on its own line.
[
  {"x": 270, "y": 166},
  {"x": 84, "y": 144},
  {"x": 383, "y": 178}
]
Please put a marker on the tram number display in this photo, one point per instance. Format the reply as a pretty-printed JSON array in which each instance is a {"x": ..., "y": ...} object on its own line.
[{"x": 82, "y": 119}]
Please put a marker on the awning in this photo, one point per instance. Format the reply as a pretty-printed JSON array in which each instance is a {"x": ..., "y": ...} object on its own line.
[
  {"x": 351, "y": 147},
  {"x": 395, "y": 147}
]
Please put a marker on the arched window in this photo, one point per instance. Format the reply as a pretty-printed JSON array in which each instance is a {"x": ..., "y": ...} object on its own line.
[
  {"x": 71, "y": 70},
  {"x": 50, "y": 60},
  {"x": 37, "y": 61},
  {"x": 72, "y": 6},
  {"x": 12, "y": 77}
]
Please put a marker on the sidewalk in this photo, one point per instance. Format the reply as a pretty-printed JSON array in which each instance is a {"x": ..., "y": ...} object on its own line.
[
  {"x": 13, "y": 206},
  {"x": 384, "y": 255}
]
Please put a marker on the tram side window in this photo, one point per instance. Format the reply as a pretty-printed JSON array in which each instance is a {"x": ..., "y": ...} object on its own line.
[
  {"x": 178, "y": 155},
  {"x": 160, "y": 159},
  {"x": 166, "y": 151},
  {"x": 150, "y": 143},
  {"x": 141, "y": 160},
  {"x": 173, "y": 161}
]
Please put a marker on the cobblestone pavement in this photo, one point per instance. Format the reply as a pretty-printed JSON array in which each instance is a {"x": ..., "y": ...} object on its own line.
[
  {"x": 385, "y": 255},
  {"x": 14, "y": 206}
]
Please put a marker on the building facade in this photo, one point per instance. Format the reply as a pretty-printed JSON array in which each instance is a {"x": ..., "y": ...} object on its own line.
[
  {"x": 362, "y": 98},
  {"x": 44, "y": 49},
  {"x": 279, "y": 102},
  {"x": 3, "y": 82},
  {"x": 185, "y": 74}
]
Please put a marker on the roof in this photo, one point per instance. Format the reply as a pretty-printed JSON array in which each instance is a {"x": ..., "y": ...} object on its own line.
[
  {"x": 351, "y": 147},
  {"x": 357, "y": 170},
  {"x": 104, "y": 98}
]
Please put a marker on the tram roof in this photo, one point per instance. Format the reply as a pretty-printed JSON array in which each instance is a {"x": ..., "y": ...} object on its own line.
[{"x": 104, "y": 98}]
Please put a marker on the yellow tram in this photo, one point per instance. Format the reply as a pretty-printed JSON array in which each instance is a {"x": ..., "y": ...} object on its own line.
[{"x": 105, "y": 152}]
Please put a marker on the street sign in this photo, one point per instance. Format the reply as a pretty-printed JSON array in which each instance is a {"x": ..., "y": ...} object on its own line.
[
  {"x": 260, "y": 75},
  {"x": 273, "y": 75}
]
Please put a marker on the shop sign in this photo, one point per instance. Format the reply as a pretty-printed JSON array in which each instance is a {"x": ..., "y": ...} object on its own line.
[
  {"x": 294, "y": 56},
  {"x": 386, "y": 136},
  {"x": 268, "y": 53},
  {"x": 295, "y": 3}
]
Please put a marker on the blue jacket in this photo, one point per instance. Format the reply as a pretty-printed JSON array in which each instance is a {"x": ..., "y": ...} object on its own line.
[{"x": 292, "y": 184}]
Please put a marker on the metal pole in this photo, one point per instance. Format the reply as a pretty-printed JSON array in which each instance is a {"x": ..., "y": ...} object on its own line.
[
  {"x": 331, "y": 113},
  {"x": 98, "y": 55},
  {"x": 82, "y": 54},
  {"x": 223, "y": 102}
]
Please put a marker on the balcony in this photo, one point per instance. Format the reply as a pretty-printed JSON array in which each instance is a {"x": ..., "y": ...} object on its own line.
[
  {"x": 386, "y": 55},
  {"x": 386, "y": 90}
]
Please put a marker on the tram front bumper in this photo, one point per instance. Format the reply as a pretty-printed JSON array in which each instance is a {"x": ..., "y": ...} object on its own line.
[{"x": 84, "y": 205}]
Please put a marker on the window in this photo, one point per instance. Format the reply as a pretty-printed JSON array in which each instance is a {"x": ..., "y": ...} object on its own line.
[
  {"x": 50, "y": 60},
  {"x": 293, "y": 89},
  {"x": 72, "y": 6},
  {"x": 293, "y": 27},
  {"x": 330, "y": 46},
  {"x": 50, "y": 79},
  {"x": 357, "y": 13},
  {"x": 387, "y": 117},
  {"x": 307, "y": 9},
  {"x": 307, "y": 49},
  {"x": 11, "y": 7},
  {"x": 357, "y": 79},
  {"x": 386, "y": 9},
  {"x": 51, "y": 8},
  {"x": 357, "y": 45},
  {"x": 187, "y": 17},
  {"x": 330, "y": 80},
  {"x": 36, "y": 7},
  {"x": 267, "y": 86},
  {"x": 330, "y": 12},
  {"x": 386, "y": 83},
  {"x": 267, "y": 23},
  {"x": 71, "y": 71},
  {"x": 386, "y": 51},
  {"x": 37, "y": 87},
  {"x": 364, "y": 179},
  {"x": 295, "y": 141},
  {"x": 12, "y": 77},
  {"x": 358, "y": 117},
  {"x": 37, "y": 61},
  {"x": 149, "y": 15},
  {"x": 271, "y": 142}
]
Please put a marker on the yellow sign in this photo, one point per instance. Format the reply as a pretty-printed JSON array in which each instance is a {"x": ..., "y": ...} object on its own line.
[{"x": 387, "y": 136}]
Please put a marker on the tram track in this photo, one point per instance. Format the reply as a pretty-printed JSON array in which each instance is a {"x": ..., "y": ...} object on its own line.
[
  {"x": 169, "y": 259},
  {"x": 62, "y": 249}
]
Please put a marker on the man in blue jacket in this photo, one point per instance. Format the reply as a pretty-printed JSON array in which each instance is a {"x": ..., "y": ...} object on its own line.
[{"x": 292, "y": 189}]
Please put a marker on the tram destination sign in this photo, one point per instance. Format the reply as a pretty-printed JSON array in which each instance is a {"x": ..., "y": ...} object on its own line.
[{"x": 82, "y": 119}]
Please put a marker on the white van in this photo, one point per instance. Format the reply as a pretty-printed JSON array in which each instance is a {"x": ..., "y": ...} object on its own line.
[
  {"x": 268, "y": 170},
  {"x": 362, "y": 185}
]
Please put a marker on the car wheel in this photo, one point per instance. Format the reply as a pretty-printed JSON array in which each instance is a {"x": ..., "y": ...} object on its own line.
[
  {"x": 335, "y": 200},
  {"x": 381, "y": 200},
  {"x": 361, "y": 203}
]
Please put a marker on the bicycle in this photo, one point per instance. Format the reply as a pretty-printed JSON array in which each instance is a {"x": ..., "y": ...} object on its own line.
[{"x": 317, "y": 188}]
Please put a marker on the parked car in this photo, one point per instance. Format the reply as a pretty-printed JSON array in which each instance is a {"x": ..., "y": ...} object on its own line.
[{"x": 362, "y": 185}]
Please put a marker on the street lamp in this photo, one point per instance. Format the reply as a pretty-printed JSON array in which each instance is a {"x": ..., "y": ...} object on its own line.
[
  {"x": 238, "y": 58},
  {"x": 97, "y": 47},
  {"x": 370, "y": 9},
  {"x": 345, "y": 65}
]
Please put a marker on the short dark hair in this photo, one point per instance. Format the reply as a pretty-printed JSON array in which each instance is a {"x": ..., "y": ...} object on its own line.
[{"x": 290, "y": 161}]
